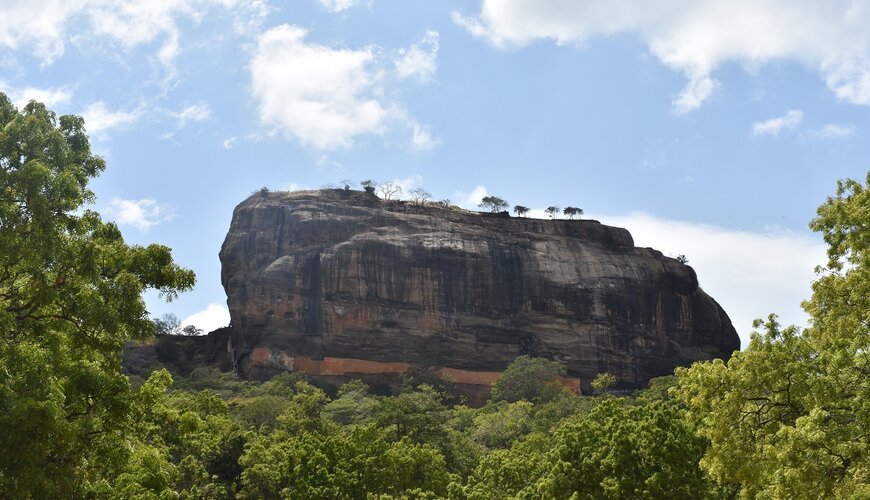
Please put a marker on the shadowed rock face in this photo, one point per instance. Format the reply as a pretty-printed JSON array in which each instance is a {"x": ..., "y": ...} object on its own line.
[{"x": 339, "y": 283}]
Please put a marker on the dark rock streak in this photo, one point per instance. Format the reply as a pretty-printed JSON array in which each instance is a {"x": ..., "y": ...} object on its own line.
[{"x": 334, "y": 274}]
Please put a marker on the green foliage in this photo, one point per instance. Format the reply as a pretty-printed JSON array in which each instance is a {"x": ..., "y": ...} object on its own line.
[
  {"x": 521, "y": 210},
  {"x": 493, "y": 204},
  {"x": 788, "y": 416},
  {"x": 70, "y": 295},
  {"x": 369, "y": 187},
  {"x": 602, "y": 382},
  {"x": 572, "y": 212},
  {"x": 503, "y": 424},
  {"x": 529, "y": 379},
  {"x": 504, "y": 473},
  {"x": 552, "y": 211},
  {"x": 308, "y": 456},
  {"x": 623, "y": 450},
  {"x": 352, "y": 406},
  {"x": 419, "y": 415},
  {"x": 169, "y": 324}
]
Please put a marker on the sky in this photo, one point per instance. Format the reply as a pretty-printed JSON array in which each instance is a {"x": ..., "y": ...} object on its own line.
[{"x": 710, "y": 129}]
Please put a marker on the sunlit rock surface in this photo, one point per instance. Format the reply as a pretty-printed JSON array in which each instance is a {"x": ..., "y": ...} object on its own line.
[{"x": 340, "y": 283}]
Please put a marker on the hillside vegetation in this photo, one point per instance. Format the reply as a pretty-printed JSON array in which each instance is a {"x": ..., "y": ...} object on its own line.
[{"x": 788, "y": 417}]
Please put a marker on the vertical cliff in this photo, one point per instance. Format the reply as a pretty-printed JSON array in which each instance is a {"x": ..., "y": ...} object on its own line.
[{"x": 339, "y": 283}]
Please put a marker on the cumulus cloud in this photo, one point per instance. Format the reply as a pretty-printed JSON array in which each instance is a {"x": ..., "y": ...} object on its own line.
[
  {"x": 327, "y": 97},
  {"x": 99, "y": 119},
  {"x": 750, "y": 274},
  {"x": 419, "y": 60},
  {"x": 323, "y": 97},
  {"x": 211, "y": 318},
  {"x": 470, "y": 200},
  {"x": 51, "y": 97},
  {"x": 141, "y": 214},
  {"x": 422, "y": 139},
  {"x": 696, "y": 37},
  {"x": 774, "y": 126},
  {"x": 408, "y": 183},
  {"x": 44, "y": 27}
]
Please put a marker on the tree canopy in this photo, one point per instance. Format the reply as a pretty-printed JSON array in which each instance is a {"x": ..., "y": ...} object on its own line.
[
  {"x": 493, "y": 204},
  {"x": 572, "y": 212},
  {"x": 70, "y": 295},
  {"x": 552, "y": 211},
  {"x": 788, "y": 416}
]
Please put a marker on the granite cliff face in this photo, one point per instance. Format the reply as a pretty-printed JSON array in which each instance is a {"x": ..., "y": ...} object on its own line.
[{"x": 341, "y": 284}]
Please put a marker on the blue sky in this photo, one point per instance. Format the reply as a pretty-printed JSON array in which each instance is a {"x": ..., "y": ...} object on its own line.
[{"x": 712, "y": 129}]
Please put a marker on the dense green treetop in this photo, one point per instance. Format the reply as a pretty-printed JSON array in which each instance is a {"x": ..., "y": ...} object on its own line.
[
  {"x": 789, "y": 416},
  {"x": 70, "y": 295}
]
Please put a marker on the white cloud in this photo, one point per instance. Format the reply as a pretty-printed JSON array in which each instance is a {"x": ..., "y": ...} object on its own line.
[
  {"x": 774, "y": 126},
  {"x": 211, "y": 318},
  {"x": 44, "y": 27},
  {"x": 470, "y": 200},
  {"x": 229, "y": 142},
  {"x": 832, "y": 131},
  {"x": 696, "y": 37},
  {"x": 141, "y": 214},
  {"x": 338, "y": 5},
  {"x": 750, "y": 274},
  {"x": 323, "y": 97},
  {"x": 422, "y": 139},
  {"x": 419, "y": 60},
  {"x": 99, "y": 119},
  {"x": 248, "y": 15},
  {"x": 48, "y": 96},
  {"x": 36, "y": 24},
  {"x": 327, "y": 97},
  {"x": 295, "y": 186},
  {"x": 408, "y": 183},
  {"x": 194, "y": 113}
]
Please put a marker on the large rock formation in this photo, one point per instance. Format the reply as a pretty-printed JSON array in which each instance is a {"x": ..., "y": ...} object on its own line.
[{"x": 341, "y": 284}]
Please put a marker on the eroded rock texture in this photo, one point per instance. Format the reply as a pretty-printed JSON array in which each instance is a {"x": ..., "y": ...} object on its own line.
[{"x": 339, "y": 283}]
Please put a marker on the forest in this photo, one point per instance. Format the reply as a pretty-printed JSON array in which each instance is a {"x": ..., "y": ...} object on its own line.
[{"x": 786, "y": 417}]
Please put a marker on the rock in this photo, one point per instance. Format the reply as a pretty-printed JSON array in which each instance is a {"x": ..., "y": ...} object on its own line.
[{"x": 339, "y": 283}]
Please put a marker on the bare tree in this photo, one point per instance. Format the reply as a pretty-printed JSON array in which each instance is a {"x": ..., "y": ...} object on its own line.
[
  {"x": 389, "y": 189},
  {"x": 521, "y": 210},
  {"x": 345, "y": 184},
  {"x": 420, "y": 196},
  {"x": 169, "y": 324},
  {"x": 553, "y": 211}
]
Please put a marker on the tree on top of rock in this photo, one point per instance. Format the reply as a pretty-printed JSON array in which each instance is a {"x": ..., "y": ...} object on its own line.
[
  {"x": 389, "y": 190},
  {"x": 493, "y": 203},
  {"x": 552, "y": 211},
  {"x": 521, "y": 210},
  {"x": 420, "y": 196},
  {"x": 369, "y": 186},
  {"x": 571, "y": 212}
]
